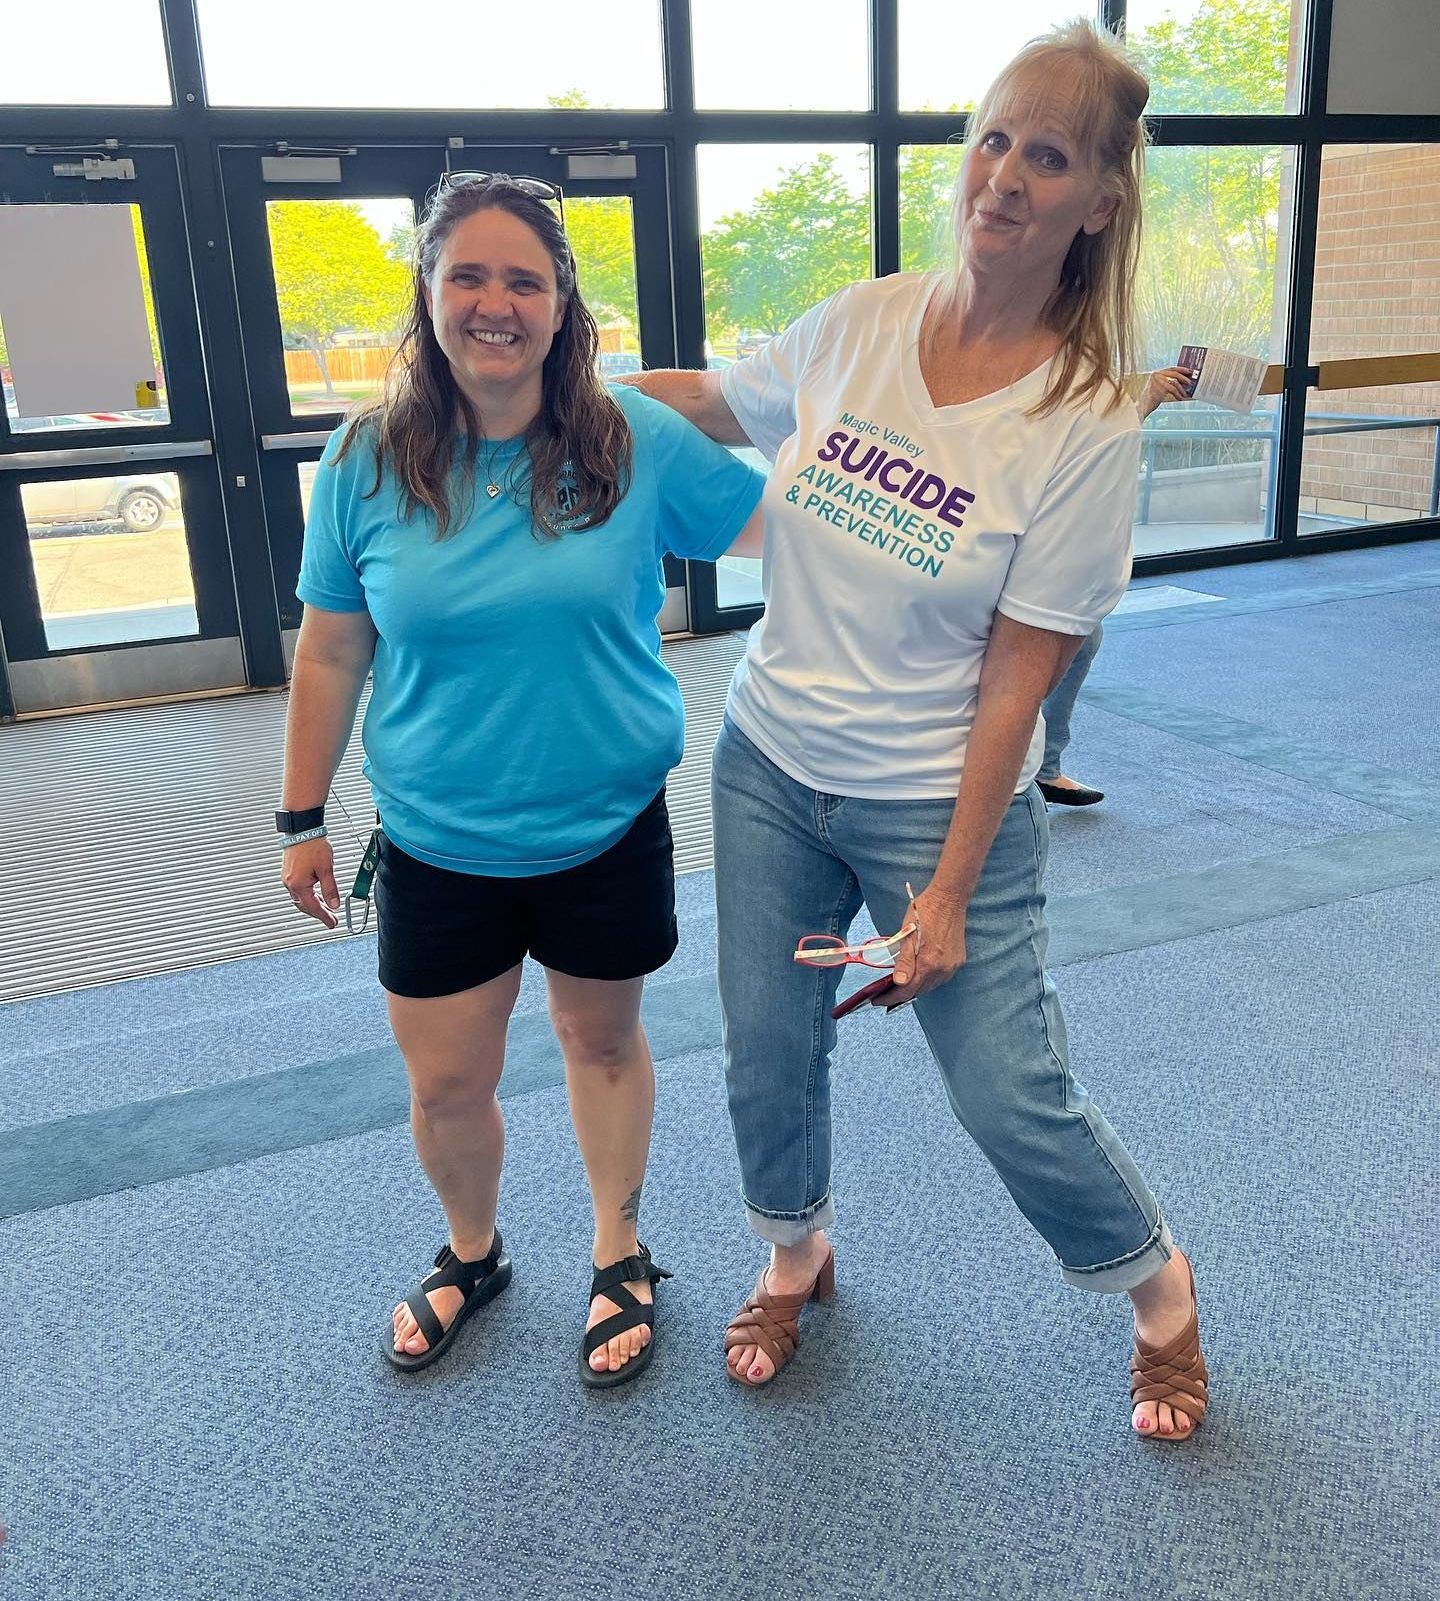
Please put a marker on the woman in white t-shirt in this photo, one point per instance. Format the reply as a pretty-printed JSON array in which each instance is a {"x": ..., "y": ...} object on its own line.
[{"x": 947, "y": 519}]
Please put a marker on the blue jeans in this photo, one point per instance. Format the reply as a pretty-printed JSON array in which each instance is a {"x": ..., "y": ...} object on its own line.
[
  {"x": 1060, "y": 703},
  {"x": 791, "y": 861}
]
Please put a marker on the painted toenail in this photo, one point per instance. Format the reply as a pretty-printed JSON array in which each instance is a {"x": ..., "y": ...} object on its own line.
[{"x": 1144, "y": 1423}]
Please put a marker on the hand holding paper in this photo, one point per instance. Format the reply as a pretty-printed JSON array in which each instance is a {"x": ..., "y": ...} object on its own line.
[{"x": 1223, "y": 377}]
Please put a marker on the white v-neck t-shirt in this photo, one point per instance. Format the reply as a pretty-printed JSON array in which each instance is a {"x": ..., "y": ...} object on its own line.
[{"x": 896, "y": 529}]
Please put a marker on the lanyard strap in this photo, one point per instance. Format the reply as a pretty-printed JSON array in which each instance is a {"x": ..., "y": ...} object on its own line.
[{"x": 364, "y": 881}]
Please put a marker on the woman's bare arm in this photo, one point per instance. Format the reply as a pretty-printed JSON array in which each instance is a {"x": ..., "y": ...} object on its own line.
[
  {"x": 696, "y": 396},
  {"x": 332, "y": 657},
  {"x": 1021, "y": 665}
]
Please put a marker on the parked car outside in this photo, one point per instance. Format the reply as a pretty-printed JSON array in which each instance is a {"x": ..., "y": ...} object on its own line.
[
  {"x": 141, "y": 503},
  {"x": 615, "y": 362}
]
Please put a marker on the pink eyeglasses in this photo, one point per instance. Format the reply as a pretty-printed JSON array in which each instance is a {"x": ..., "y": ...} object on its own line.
[{"x": 829, "y": 950}]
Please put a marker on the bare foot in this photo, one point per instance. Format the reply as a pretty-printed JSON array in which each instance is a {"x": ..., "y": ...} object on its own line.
[
  {"x": 793, "y": 1270},
  {"x": 1163, "y": 1306}
]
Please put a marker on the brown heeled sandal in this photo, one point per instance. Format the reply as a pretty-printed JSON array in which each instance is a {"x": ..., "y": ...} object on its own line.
[
  {"x": 772, "y": 1322},
  {"x": 1172, "y": 1374}
]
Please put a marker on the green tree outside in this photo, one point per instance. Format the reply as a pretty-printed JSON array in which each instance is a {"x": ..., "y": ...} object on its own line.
[
  {"x": 601, "y": 232},
  {"x": 602, "y": 238},
  {"x": 1228, "y": 59},
  {"x": 400, "y": 243},
  {"x": 333, "y": 275},
  {"x": 1213, "y": 215},
  {"x": 800, "y": 241},
  {"x": 928, "y": 174}
]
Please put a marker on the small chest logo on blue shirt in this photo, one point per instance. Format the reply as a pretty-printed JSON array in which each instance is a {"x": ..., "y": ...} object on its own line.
[{"x": 567, "y": 491}]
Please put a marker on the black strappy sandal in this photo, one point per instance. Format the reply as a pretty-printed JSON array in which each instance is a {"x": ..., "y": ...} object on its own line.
[
  {"x": 633, "y": 1314},
  {"x": 480, "y": 1281}
]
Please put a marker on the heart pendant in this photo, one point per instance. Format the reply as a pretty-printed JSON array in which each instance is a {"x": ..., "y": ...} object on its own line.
[{"x": 492, "y": 490}]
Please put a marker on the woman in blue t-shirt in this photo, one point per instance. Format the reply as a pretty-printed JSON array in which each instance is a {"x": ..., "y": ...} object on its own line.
[{"x": 487, "y": 540}]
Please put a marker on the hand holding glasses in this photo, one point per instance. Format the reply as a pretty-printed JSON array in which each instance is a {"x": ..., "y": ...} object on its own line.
[{"x": 829, "y": 950}]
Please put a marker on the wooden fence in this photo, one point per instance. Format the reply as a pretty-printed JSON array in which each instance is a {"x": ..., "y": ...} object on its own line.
[{"x": 350, "y": 364}]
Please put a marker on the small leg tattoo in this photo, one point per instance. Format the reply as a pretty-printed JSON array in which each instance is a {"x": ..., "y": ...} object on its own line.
[{"x": 630, "y": 1211}]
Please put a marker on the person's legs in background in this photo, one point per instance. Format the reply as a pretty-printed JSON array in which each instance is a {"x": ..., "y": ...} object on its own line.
[{"x": 1058, "y": 707}]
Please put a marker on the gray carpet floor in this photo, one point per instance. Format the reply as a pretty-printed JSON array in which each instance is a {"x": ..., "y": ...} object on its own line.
[{"x": 195, "y": 1402}]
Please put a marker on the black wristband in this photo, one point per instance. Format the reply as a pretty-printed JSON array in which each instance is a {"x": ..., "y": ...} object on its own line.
[{"x": 298, "y": 822}]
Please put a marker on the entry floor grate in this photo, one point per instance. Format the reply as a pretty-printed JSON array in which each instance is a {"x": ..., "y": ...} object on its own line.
[{"x": 140, "y": 840}]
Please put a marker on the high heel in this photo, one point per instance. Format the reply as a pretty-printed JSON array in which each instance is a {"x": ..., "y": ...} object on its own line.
[
  {"x": 1173, "y": 1374},
  {"x": 824, "y": 1291},
  {"x": 771, "y": 1323}
]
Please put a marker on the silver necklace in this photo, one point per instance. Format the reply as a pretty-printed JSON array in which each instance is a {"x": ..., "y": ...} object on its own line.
[{"x": 491, "y": 487}]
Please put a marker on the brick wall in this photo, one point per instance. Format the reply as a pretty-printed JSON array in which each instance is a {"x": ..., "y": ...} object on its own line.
[{"x": 1377, "y": 293}]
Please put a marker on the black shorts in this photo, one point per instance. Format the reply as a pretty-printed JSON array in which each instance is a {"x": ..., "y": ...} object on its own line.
[{"x": 612, "y": 917}]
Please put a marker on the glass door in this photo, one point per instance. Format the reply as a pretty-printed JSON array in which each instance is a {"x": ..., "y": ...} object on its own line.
[
  {"x": 321, "y": 241},
  {"x": 113, "y": 545}
]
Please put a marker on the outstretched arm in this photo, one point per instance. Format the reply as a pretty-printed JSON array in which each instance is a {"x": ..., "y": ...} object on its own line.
[{"x": 696, "y": 396}]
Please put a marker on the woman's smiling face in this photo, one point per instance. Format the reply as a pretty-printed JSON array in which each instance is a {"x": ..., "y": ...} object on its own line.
[
  {"x": 494, "y": 305},
  {"x": 1027, "y": 187}
]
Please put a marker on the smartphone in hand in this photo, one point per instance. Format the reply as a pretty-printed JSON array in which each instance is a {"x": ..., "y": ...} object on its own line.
[{"x": 870, "y": 992}]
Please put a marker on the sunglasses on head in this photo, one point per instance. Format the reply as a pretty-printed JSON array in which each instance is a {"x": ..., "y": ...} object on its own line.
[{"x": 536, "y": 188}]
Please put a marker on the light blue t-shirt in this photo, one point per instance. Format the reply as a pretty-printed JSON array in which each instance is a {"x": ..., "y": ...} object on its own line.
[{"x": 521, "y": 717}]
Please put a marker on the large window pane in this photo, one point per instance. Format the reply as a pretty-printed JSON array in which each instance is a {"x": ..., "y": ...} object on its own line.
[
  {"x": 85, "y": 53},
  {"x": 1370, "y": 457},
  {"x": 369, "y": 54},
  {"x": 928, "y": 174},
  {"x": 86, "y": 348},
  {"x": 1207, "y": 478},
  {"x": 782, "y": 227},
  {"x": 601, "y": 230},
  {"x": 806, "y": 55},
  {"x": 949, "y": 53},
  {"x": 1377, "y": 293},
  {"x": 110, "y": 558},
  {"x": 343, "y": 285},
  {"x": 1218, "y": 57},
  {"x": 1377, "y": 252},
  {"x": 1216, "y": 220},
  {"x": 1215, "y": 224}
]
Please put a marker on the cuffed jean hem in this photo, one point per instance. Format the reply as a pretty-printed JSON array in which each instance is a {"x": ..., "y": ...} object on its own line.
[
  {"x": 791, "y": 1228},
  {"x": 1111, "y": 1278}
]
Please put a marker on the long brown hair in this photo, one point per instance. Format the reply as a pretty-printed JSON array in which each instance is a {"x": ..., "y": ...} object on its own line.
[
  {"x": 1093, "y": 306},
  {"x": 578, "y": 451}
]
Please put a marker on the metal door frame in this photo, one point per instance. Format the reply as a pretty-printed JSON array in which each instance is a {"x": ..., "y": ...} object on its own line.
[
  {"x": 34, "y": 677},
  {"x": 383, "y": 171}
]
